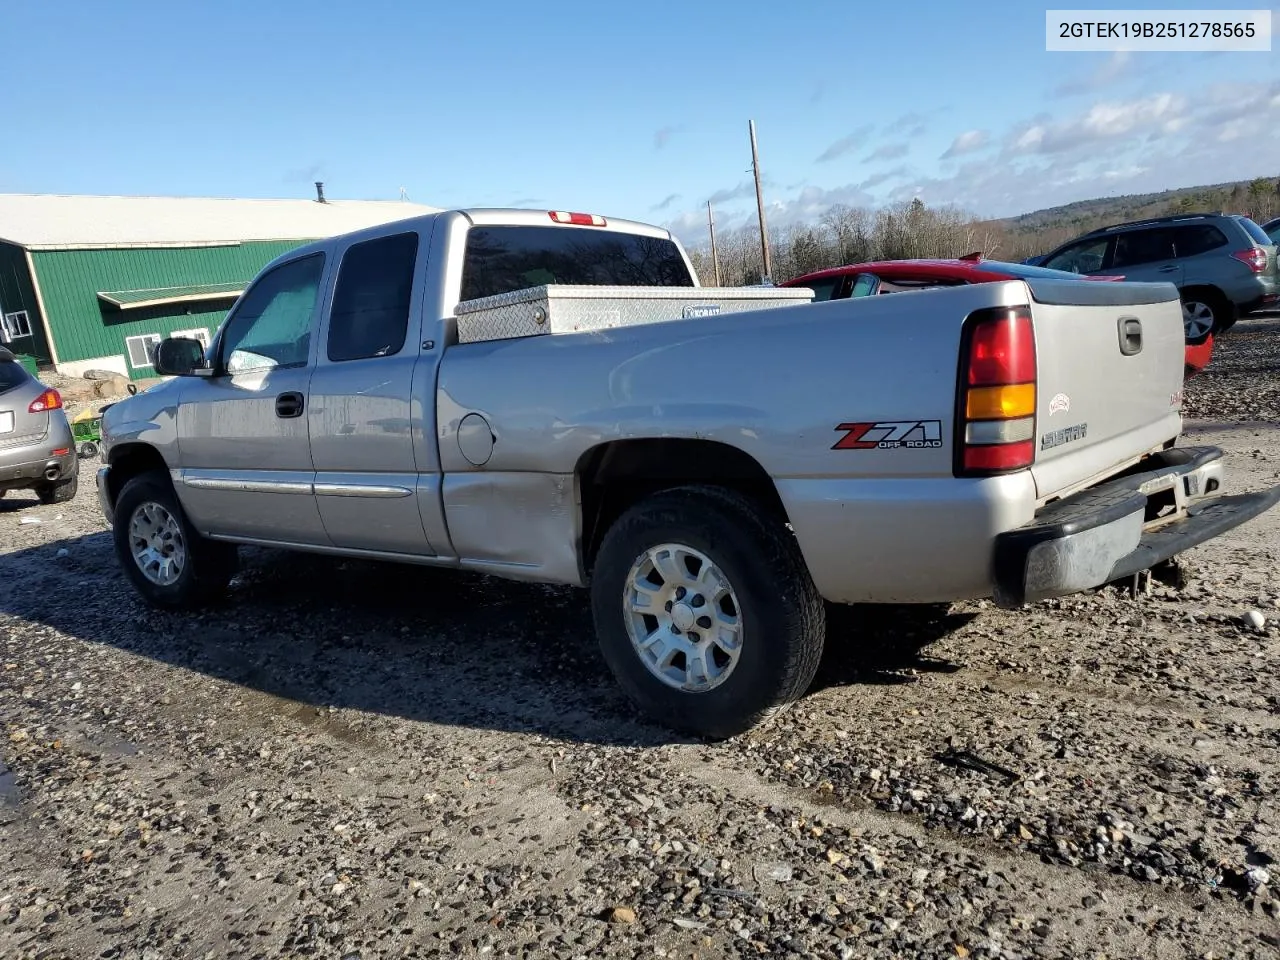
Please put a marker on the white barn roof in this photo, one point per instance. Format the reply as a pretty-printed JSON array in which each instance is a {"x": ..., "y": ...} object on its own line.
[{"x": 54, "y": 221}]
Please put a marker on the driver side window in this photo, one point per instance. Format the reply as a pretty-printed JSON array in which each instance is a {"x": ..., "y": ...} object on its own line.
[
  {"x": 1088, "y": 256},
  {"x": 272, "y": 325}
]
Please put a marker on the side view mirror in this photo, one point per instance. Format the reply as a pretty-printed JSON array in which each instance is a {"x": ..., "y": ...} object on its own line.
[{"x": 179, "y": 357}]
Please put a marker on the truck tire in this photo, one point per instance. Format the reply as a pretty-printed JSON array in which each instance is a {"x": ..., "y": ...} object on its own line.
[
  {"x": 737, "y": 626},
  {"x": 64, "y": 491},
  {"x": 170, "y": 564}
]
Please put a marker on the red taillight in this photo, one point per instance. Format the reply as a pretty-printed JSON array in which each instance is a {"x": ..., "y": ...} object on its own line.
[
  {"x": 996, "y": 409},
  {"x": 1002, "y": 351},
  {"x": 581, "y": 219},
  {"x": 998, "y": 457},
  {"x": 49, "y": 400},
  {"x": 1255, "y": 258}
]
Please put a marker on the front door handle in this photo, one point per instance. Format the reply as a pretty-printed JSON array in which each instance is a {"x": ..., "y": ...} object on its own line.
[
  {"x": 1130, "y": 336},
  {"x": 289, "y": 405}
]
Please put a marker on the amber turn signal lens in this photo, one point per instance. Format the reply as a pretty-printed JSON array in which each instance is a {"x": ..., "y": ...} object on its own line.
[{"x": 1000, "y": 403}]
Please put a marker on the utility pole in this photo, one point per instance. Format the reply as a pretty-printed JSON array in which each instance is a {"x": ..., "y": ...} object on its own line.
[
  {"x": 764, "y": 231},
  {"x": 715, "y": 256}
]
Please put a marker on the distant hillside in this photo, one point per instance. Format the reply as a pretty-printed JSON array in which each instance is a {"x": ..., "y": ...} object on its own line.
[
  {"x": 910, "y": 229},
  {"x": 1258, "y": 198}
]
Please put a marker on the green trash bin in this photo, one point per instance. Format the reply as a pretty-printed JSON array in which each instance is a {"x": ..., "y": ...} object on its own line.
[{"x": 29, "y": 363}]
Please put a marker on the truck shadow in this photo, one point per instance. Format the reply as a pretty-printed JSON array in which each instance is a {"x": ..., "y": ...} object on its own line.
[{"x": 428, "y": 645}]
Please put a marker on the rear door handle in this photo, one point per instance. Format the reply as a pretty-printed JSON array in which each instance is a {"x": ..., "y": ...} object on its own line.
[
  {"x": 1130, "y": 335},
  {"x": 289, "y": 405},
  {"x": 1167, "y": 269}
]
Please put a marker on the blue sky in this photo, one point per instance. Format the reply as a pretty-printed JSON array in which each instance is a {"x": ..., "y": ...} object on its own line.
[{"x": 634, "y": 110}]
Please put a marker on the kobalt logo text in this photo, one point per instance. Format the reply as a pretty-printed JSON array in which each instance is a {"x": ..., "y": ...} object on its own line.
[
  {"x": 694, "y": 311},
  {"x": 890, "y": 435}
]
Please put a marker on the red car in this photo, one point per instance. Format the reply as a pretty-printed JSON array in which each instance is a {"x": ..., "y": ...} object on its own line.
[{"x": 895, "y": 276}]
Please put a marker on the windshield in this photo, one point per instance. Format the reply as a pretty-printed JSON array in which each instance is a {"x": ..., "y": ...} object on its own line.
[{"x": 505, "y": 258}]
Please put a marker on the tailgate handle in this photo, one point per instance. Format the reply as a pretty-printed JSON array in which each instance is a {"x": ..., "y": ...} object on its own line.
[{"x": 1130, "y": 336}]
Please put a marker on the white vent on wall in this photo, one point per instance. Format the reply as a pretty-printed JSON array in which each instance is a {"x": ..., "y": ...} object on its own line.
[{"x": 198, "y": 333}]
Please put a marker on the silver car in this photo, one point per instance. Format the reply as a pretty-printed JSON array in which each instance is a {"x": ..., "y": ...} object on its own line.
[{"x": 37, "y": 451}]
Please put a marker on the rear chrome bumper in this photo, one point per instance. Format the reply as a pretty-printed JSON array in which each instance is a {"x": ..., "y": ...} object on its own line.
[{"x": 1121, "y": 527}]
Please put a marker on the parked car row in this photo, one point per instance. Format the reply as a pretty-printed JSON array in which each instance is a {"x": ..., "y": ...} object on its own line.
[{"x": 894, "y": 276}]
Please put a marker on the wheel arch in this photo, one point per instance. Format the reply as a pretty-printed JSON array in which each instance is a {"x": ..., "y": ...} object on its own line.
[
  {"x": 1203, "y": 289},
  {"x": 614, "y": 475},
  {"x": 129, "y": 460}
]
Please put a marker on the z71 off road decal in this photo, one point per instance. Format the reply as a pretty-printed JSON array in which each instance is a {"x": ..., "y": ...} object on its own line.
[{"x": 890, "y": 435}]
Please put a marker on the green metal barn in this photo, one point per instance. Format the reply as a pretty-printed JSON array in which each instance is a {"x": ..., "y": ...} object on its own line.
[{"x": 97, "y": 282}]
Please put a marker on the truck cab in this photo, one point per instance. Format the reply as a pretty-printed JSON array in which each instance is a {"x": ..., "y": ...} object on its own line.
[{"x": 311, "y": 420}]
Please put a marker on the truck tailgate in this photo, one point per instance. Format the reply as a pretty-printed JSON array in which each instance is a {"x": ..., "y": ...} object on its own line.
[{"x": 1110, "y": 367}]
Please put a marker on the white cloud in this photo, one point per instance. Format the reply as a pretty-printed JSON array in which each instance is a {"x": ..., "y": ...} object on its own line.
[
  {"x": 1237, "y": 129},
  {"x": 1118, "y": 119},
  {"x": 845, "y": 144},
  {"x": 1116, "y": 66},
  {"x": 1106, "y": 120},
  {"x": 884, "y": 176},
  {"x": 1132, "y": 170},
  {"x": 911, "y": 124},
  {"x": 889, "y": 151},
  {"x": 1114, "y": 146},
  {"x": 967, "y": 142},
  {"x": 728, "y": 194}
]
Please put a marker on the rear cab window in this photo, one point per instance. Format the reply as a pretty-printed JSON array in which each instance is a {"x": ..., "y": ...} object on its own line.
[
  {"x": 370, "y": 313},
  {"x": 500, "y": 259}
]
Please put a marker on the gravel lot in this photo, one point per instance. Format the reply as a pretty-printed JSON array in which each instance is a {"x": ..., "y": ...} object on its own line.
[{"x": 348, "y": 760}]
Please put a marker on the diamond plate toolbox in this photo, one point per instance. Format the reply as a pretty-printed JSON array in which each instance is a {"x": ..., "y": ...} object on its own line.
[{"x": 559, "y": 308}]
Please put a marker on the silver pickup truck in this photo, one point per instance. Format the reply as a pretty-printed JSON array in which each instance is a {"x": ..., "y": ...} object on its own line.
[{"x": 552, "y": 397}]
